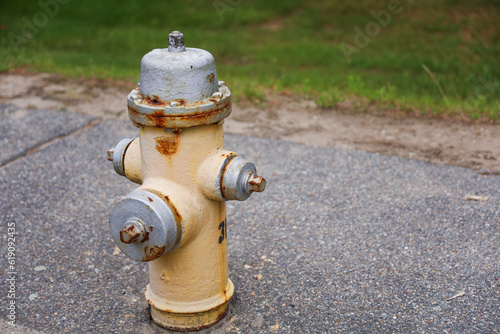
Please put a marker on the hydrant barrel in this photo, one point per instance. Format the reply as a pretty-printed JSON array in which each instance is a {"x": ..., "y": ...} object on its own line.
[{"x": 176, "y": 219}]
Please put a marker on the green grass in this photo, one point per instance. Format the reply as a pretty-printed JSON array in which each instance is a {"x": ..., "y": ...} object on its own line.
[{"x": 292, "y": 46}]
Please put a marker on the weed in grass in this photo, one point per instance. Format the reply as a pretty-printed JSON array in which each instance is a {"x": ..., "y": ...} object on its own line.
[
  {"x": 327, "y": 99},
  {"x": 355, "y": 84},
  {"x": 433, "y": 77},
  {"x": 384, "y": 93},
  {"x": 254, "y": 94}
]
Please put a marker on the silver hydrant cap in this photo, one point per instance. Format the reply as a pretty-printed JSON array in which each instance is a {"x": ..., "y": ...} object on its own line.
[{"x": 178, "y": 73}]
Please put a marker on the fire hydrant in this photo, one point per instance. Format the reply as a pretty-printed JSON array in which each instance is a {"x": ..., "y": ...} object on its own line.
[{"x": 176, "y": 219}]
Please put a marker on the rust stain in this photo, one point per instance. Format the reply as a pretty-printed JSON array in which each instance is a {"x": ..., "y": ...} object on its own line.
[
  {"x": 167, "y": 145},
  {"x": 203, "y": 115},
  {"x": 151, "y": 228},
  {"x": 130, "y": 232},
  {"x": 211, "y": 77},
  {"x": 222, "y": 173},
  {"x": 176, "y": 213},
  {"x": 152, "y": 252},
  {"x": 177, "y": 216},
  {"x": 157, "y": 118},
  {"x": 220, "y": 316},
  {"x": 150, "y": 199},
  {"x": 146, "y": 237},
  {"x": 155, "y": 101}
]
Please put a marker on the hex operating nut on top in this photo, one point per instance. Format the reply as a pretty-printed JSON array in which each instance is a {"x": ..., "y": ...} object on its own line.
[{"x": 176, "y": 42}]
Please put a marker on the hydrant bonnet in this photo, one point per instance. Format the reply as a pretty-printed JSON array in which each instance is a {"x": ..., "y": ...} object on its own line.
[
  {"x": 179, "y": 88},
  {"x": 167, "y": 74}
]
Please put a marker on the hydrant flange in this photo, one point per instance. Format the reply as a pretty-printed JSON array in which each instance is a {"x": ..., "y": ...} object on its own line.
[{"x": 178, "y": 113}]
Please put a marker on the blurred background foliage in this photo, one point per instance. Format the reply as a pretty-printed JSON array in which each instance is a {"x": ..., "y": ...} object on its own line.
[{"x": 291, "y": 47}]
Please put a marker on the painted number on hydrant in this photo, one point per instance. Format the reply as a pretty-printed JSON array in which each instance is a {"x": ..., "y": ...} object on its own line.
[{"x": 223, "y": 231}]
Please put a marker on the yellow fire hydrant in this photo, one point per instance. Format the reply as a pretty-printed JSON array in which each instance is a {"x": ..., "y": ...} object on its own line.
[{"x": 176, "y": 219}]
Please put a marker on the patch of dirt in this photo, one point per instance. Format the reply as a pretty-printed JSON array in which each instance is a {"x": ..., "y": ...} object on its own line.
[
  {"x": 273, "y": 25},
  {"x": 471, "y": 145}
]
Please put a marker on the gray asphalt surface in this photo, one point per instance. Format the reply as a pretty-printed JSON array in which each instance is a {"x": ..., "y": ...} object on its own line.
[
  {"x": 22, "y": 130},
  {"x": 340, "y": 242}
]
